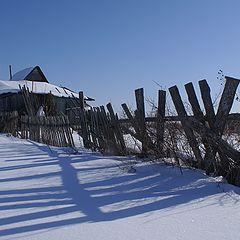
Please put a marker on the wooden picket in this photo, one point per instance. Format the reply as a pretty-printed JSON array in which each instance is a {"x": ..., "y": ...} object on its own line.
[{"x": 54, "y": 130}]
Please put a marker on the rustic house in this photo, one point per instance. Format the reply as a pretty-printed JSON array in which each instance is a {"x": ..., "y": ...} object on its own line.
[{"x": 42, "y": 93}]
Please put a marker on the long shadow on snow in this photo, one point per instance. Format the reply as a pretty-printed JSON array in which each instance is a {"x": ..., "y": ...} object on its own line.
[{"x": 91, "y": 197}]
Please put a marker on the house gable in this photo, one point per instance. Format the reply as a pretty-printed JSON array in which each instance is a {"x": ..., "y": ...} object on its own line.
[{"x": 34, "y": 74}]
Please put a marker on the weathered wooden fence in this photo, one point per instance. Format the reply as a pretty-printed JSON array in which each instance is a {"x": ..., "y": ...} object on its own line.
[
  {"x": 54, "y": 131},
  {"x": 101, "y": 129}
]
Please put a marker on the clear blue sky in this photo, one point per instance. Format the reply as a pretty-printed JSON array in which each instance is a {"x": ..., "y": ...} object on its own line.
[{"x": 108, "y": 48}]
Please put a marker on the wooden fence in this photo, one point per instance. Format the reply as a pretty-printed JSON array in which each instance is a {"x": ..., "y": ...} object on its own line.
[
  {"x": 54, "y": 131},
  {"x": 102, "y": 129}
]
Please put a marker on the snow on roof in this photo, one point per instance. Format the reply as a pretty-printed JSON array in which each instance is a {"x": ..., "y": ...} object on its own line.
[
  {"x": 36, "y": 87},
  {"x": 22, "y": 74}
]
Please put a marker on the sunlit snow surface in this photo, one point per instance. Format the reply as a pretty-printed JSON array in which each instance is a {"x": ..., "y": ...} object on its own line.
[{"x": 48, "y": 193}]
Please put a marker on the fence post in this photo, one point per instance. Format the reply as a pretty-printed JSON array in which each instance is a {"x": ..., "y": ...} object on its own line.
[
  {"x": 160, "y": 120},
  {"x": 183, "y": 118},
  {"x": 198, "y": 114},
  {"x": 140, "y": 118}
]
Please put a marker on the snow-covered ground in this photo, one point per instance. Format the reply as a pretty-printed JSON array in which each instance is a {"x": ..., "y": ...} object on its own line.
[{"x": 50, "y": 194}]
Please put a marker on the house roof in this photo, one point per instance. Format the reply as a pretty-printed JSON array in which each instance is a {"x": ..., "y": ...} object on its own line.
[
  {"x": 34, "y": 79},
  {"x": 32, "y": 74},
  {"x": 39, "y": 88}
]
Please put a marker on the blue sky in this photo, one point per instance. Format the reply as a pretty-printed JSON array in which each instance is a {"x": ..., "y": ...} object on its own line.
[{"x": 108, "y": 48}]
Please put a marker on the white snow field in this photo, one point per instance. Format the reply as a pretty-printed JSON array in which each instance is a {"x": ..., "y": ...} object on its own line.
[{"x": 47, "y": 193}]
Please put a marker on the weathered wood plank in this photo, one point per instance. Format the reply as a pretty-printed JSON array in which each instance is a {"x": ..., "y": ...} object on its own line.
[
  {"x": 104, "y": 123},
  {"x": 131, "y": 119},
  {"x": 160, "y": 120},
  {"x": 107, "y": 134},
  {"x": 183, "y": 117},
  {"x": 207, "y": 101},
  {"x": 117, "y": 129},
  {"x": 99, "y": 133},
  {"x": 192, "y": 97},
  {"x": 84, "y": 128},
  {"x": 68, "y": 132},
  {"x": 93, "y": 130},
  {"x": 225, "y": 103},
  {"x": 140, "y": 117}
]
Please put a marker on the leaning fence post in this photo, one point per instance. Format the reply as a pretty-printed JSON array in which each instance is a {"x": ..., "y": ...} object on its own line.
[
  {"x": 207, "y": 101},
  {"x": 225, "y": 103},
  {"x": 183, "y": 118},
  {"x": 116, "y": 128},
  {"x": 224, "y": 108},
  {"x": 198, "y": 114},
  {"x": 108, "y": 134}
]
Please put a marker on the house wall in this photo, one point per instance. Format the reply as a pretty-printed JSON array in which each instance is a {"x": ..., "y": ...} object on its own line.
[
  {"x": 15, "y": 101},
  {"x": 11, "y": 102},
  {"x": 60, "y": 104}
]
